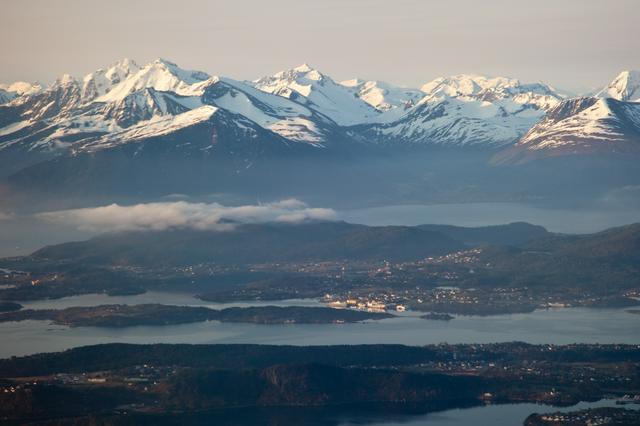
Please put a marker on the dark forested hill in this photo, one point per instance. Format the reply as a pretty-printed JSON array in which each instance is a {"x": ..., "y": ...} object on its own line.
[
  {"x": 510, "y": 234},
  {"x": 257, "y": 243}
]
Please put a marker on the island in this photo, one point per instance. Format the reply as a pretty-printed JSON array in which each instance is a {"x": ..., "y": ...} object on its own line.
[
  {"x": 437, "y": 316},
  {"x": 157, "y": 315}
]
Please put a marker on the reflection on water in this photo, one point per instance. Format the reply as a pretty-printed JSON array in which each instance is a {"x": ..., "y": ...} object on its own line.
[{"x": 555, "y": 326}]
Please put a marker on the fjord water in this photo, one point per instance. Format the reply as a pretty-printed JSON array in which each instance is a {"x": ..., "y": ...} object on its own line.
[
  {"x": 554, "y": 326},
  {"x": 486, "y": 415},
  {"x": 376, "y": 415}
]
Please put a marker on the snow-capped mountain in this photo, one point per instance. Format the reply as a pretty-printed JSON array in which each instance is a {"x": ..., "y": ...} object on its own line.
[
  {"x": 320, "y": 93},
  {"x": 603, "y": 124},
  {"x": 467, "y": 110},
  {"x": 587, "y": 125},
  {"x": 106, "y": 104},
  {"x": 47, "y": 123},
  {"x": 302, "y": 109},
  {"x": 625, "y": 87}
]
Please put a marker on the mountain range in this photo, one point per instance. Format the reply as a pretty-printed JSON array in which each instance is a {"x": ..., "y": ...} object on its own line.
[{"x": 139, "y": 112}]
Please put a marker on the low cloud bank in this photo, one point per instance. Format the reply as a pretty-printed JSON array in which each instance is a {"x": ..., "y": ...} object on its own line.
[{"x": 185, "y": 215}]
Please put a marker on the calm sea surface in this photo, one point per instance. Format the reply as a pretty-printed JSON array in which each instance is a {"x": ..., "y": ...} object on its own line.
[{"x": 555, "y": 326}]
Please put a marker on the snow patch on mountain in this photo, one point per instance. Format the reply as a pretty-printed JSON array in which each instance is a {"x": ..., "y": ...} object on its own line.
[
  {"x": 157, "y": 126},
  {"x": 14, "y": 127}
]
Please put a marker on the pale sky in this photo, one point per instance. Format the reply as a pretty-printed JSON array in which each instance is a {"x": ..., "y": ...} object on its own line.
[{"x": 573, "y": 44}]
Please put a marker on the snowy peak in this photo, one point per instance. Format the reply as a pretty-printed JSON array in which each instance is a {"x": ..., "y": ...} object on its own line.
[
  {"x": 160, "y": 75},
  {"x": 289, "y": 83},
  {"x": 304, "y": 68},
  {"x": 491, "y": 89},
  {"x": 302, "y": 71},
  {"x": 383, "y": 96},
  {"x": 100, "y": 82},
  {"x": 9, "y": 92},
  {"x": 625, "y": 87},
  {"x": 21, "y": 88},
  {"x": 65, "y": 80},
  {"x": 319, "y": 92},
  {"x": 460, "y": 85}
]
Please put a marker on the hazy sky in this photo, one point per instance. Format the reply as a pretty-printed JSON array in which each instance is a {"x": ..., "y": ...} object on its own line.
[{"x": 567, "y": 43}]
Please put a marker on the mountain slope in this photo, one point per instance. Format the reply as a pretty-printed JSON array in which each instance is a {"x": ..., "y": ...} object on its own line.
[
  {"x": 599, "y": 262},
  {"x": 586, "y": 125},
  {"x": 74, "y": 115},
  {"x": 287, "y": 118},
  {"x": 199, "y": 150}
]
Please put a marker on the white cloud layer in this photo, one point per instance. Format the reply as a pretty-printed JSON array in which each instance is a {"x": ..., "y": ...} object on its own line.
[{"x": 181, "y": 214}]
